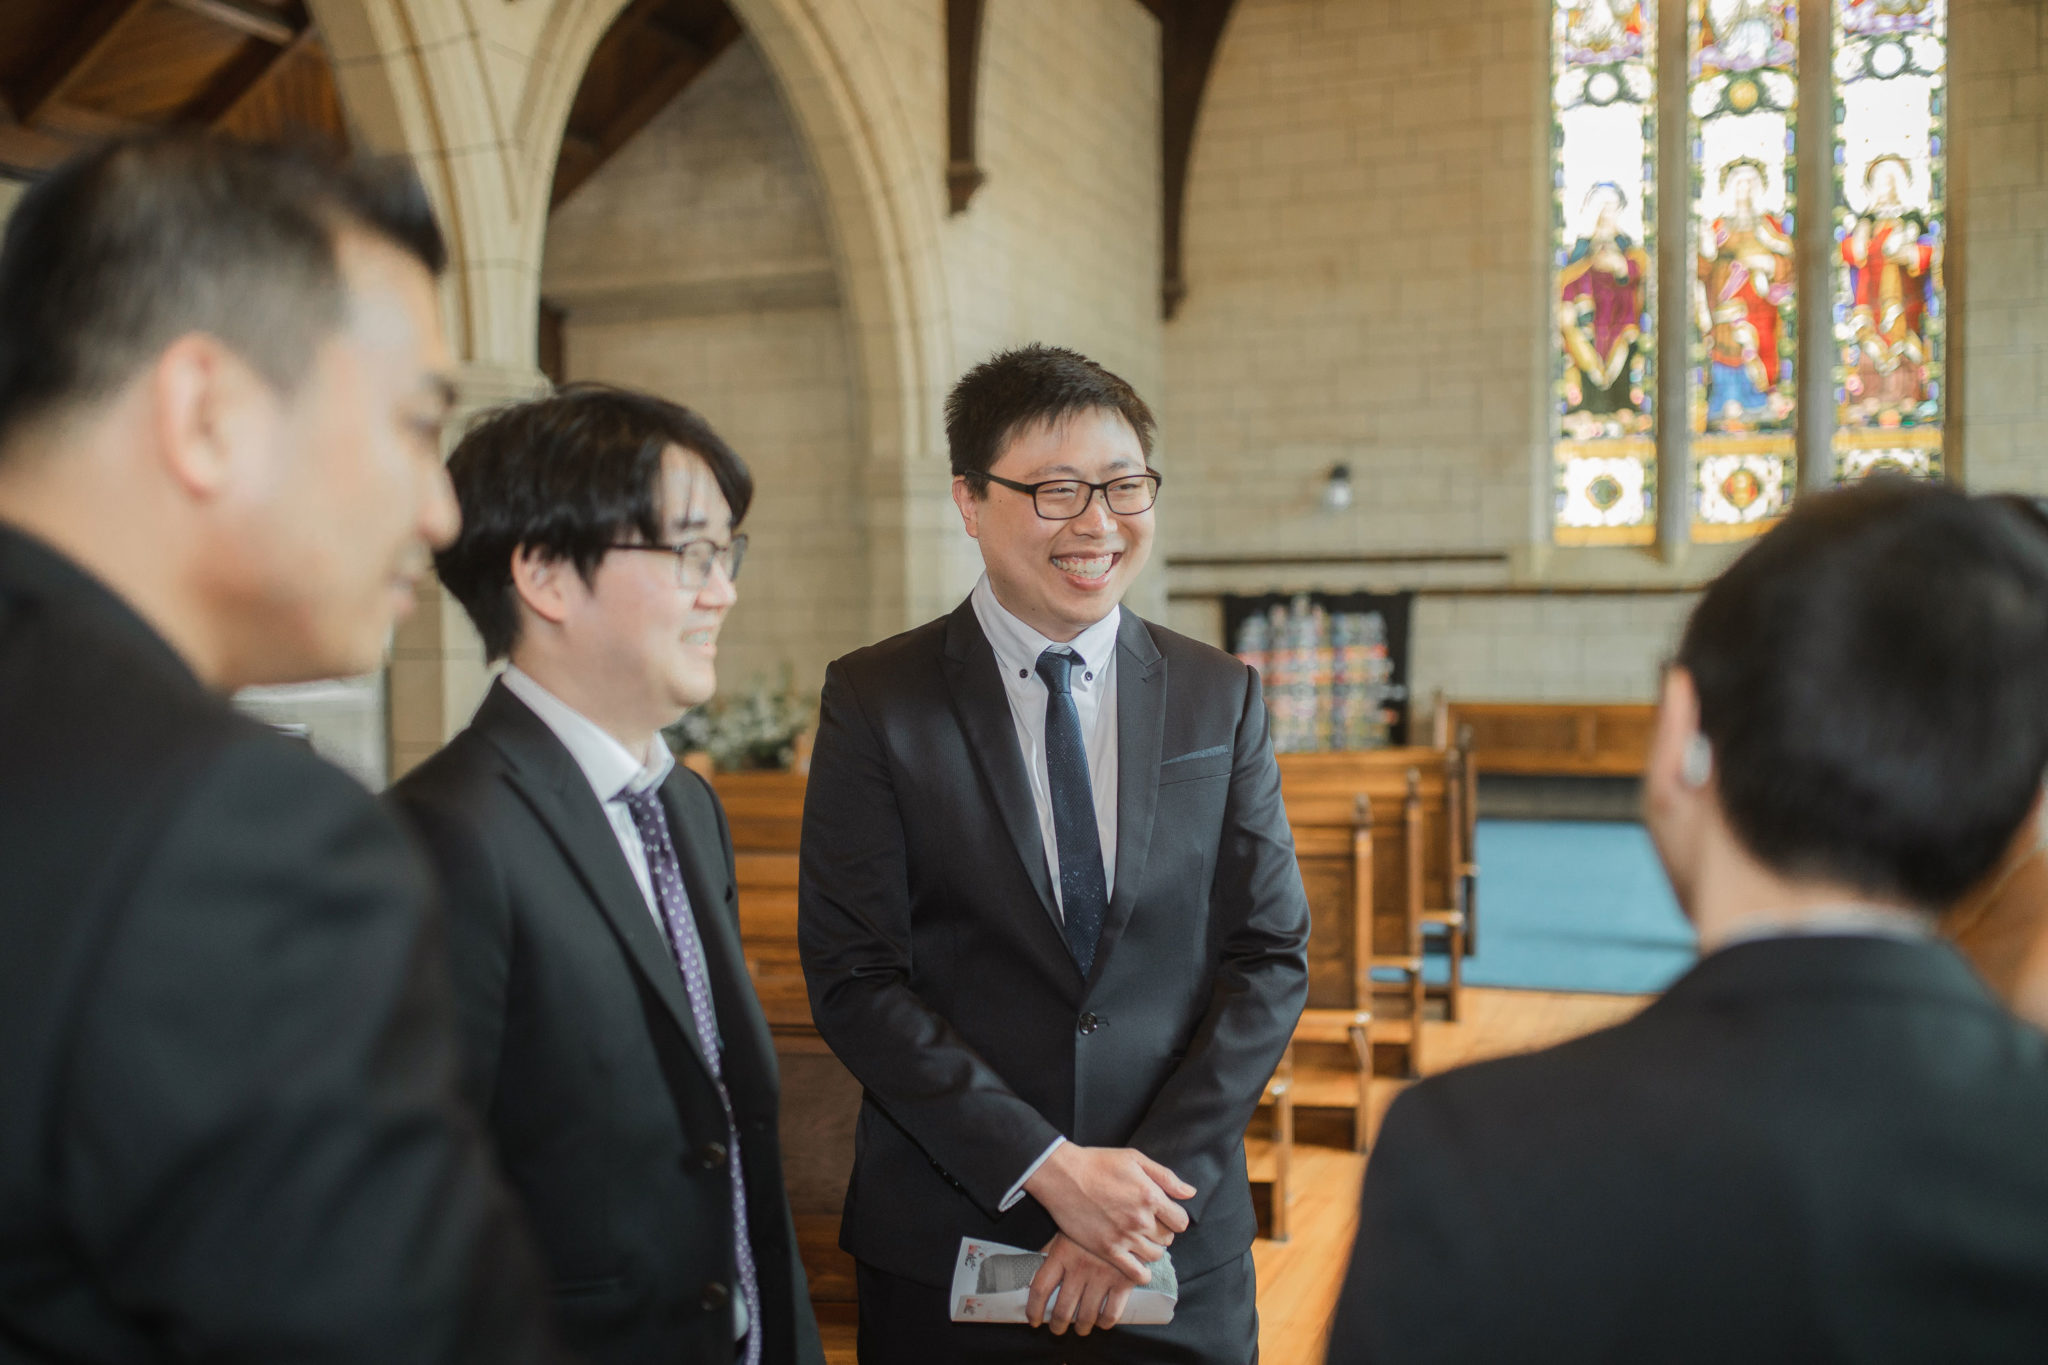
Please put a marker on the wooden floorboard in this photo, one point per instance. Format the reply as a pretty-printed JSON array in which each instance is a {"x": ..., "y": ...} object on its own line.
[{"x": 1299, "y": 1280}]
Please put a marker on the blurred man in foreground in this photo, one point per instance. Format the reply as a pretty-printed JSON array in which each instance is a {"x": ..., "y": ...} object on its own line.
[
  {"x": 226, "y": 1061},
  {"x": 1825, "y": 1141}
]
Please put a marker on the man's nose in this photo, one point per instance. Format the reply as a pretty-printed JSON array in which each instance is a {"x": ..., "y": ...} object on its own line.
[
  {"x": 440, "y": 514},
  {"x": 718, "y": 591},
  {"x": 1096, "y": 516}
]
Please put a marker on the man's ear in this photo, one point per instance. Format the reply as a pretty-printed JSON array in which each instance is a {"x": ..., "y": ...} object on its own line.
[
  {"x": 208, "y": 410},
  {"x": 542, "y": 583},
  {"x": 1678, "y": 721},
  {"x": 969, "y": 505},
  {"x": 1676, "y": 813}
]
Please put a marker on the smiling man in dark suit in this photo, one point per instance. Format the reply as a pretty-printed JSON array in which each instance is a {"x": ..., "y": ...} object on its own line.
[
  {"x": 612, "y": 1038},
  {"x": 1049, "y": 909}
]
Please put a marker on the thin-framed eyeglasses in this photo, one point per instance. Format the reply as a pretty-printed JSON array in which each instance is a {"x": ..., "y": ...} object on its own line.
[
  {"x": 694, "y": 558},
  {"x": 1065, "y": 499}
]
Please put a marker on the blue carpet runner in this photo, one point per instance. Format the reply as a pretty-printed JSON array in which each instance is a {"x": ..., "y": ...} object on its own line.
[{"x": 1573, "y": 905}]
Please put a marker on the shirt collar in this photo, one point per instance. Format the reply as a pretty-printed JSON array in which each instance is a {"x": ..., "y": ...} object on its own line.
[
  {"x": 1869, "y": 921},
  {"x": 1017, "y": 646},
  {"x": 607, "y": 765}
]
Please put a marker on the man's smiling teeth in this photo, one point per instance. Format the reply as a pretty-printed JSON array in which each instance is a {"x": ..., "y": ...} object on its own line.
[
  {"x": 700, "y": 637},
  {"x": 1084, "y": 566}
]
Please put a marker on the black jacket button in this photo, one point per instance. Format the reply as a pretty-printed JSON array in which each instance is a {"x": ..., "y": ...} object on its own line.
[
  {"x": 711, "y": 1155},
  {"x": 716, "y": 1296},
  {"x": 1089, "y": 1023}
]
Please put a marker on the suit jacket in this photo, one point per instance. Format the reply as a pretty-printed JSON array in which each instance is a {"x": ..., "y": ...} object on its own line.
[
  {"x": 1810, "y": 1149},
  {"x": 939, "y": 975},
  {"x": 580, "y": 1050},
  {"x": 229, "y": 1127}
]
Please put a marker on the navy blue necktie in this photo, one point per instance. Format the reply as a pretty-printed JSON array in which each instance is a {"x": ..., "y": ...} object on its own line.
[{"x": 1084, "y": 893}]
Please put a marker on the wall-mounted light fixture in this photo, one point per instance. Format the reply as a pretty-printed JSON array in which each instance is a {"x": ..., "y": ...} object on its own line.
[{"x": 1337, "y": 489}]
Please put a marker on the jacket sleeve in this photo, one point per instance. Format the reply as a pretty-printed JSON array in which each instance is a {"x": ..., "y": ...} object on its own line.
[
  {"x": 853, "y": 927},
  {"x": 263, "y": 1154},
  {"x": 1199, "y": 1116}
]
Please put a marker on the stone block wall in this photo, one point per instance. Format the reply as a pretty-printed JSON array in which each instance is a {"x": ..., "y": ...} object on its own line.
[
  {"x": 696, "y": 264},
  {"x": 1999, "y": 275}
]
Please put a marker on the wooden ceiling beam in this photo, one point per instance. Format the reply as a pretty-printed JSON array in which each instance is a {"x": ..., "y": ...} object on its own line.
[
  {"x": 1189, "y": 34},
  {"x": 250, "y": 19},
  {"x": 87, "y": 41},
  {"x": 694, "y": 53},
  {"x": 242, "y": 80},
  {"x": 963, "y": 81}
]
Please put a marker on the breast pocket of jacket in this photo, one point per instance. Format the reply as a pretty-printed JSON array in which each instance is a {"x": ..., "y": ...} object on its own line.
[{"x": 1197, "y": 766}]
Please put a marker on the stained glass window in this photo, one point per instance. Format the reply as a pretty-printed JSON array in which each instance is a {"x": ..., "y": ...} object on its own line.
[
  {"x": 1890, "y": 73},
  {"x": 1743, "y": 99},
  {"x": 1603, "y": 163}
]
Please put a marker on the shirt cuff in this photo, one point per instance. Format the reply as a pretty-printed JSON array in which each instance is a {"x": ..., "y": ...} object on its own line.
[{"x": 1017, "y": 1190}]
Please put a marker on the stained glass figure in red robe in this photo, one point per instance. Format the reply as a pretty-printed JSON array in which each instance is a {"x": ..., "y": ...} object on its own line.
[
  {"x": 1891, "y": 252},
  {"x": 1745, "y": 283},
  {"x": 1601, "y": 295}
]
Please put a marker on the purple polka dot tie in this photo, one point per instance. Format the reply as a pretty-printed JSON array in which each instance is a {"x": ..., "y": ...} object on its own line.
[{"x": 667, "y": 875}]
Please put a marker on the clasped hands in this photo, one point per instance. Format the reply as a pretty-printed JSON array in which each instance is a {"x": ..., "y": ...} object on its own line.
[{"x": 1116, "y": 1214}]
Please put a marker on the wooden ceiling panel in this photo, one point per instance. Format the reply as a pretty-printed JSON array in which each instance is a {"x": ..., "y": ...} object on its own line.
[
  {"x": 158, "y": 64},
  {"x": 72, "y": 71},
  {"x": 296, "y": 94}
]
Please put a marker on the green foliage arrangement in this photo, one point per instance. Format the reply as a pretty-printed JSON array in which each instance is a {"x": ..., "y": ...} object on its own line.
[{"x": 757, "y": 728}]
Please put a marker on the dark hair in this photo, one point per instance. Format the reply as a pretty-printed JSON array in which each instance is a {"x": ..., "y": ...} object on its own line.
[
  {"x": 1873, "y": 678},
  {"x": 125, "y": 248},
  {"x": 1014, "y": 390},
  {"x": 566, "y": 475}
]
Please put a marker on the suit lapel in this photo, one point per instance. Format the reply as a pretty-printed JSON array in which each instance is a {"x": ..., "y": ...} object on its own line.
[
  {"x": 543, "y": 773},
  {"x": 747, "y": 1051},
  {"x": 1140, "y": 728},
  {"x": 984, "y": 711}
]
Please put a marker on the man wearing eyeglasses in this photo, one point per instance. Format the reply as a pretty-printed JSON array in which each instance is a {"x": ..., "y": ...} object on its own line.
[
  {"x": 612, "y": 1040},
  {"x": 1049, "y": 910}
]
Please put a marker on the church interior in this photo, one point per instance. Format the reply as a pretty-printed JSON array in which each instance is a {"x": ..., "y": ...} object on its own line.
[{"x": 1481, "y": 335}]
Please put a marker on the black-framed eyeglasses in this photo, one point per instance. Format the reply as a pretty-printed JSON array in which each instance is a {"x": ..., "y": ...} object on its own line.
[
  {"x": 694, "y": 558},
  {"x": 1065, "y": 499}
]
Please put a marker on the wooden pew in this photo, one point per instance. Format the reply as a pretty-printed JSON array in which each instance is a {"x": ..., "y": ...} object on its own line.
[
  {"x": 1552, "y": 739},
  {"x": 1378, "y": 834},
  {"x": 820, "y": 1099}
]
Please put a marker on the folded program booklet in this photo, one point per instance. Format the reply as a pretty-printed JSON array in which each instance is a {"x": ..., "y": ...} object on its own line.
[{"x": 992, "y": 1283}]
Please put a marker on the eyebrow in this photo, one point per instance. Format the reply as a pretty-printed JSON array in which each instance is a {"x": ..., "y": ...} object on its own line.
[
  {"x": 690, "y": 520},
  {"x": 1121, "y": 464}
]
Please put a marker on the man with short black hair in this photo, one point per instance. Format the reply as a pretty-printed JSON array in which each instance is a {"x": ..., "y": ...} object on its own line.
[
  {"x": 1824, "y": 1142},
  {"x": 610, "y": 1031},
  {"x": 1049, "y": 910},
  {"x": 226, "y": 1065}
]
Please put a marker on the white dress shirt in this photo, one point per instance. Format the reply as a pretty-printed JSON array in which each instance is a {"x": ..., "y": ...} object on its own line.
[
  {"x": 614, "y": 774},
  {"x": 1093, "y": 684}
]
